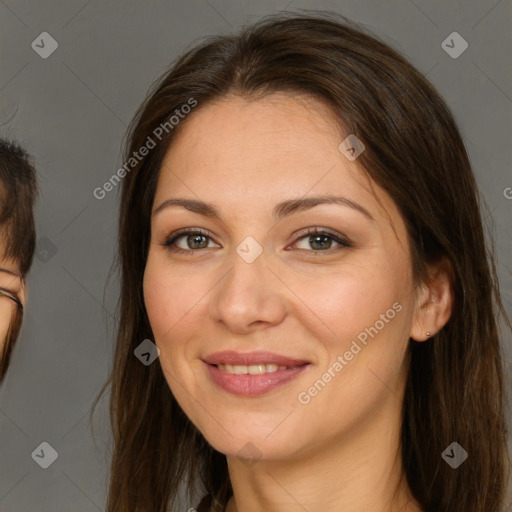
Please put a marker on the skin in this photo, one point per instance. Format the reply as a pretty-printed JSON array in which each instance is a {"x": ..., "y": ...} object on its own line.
[
  {"x": 342, "y": 448},
  {"x": 11, "y": 281}
]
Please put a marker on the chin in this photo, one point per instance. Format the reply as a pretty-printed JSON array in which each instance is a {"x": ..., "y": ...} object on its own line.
[{"x": 252, "y": 442}]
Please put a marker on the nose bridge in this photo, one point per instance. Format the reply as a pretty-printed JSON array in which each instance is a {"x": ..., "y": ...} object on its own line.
[{"x": 246, "y": 294}]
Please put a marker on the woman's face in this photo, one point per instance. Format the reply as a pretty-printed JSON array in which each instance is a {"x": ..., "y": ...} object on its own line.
[
  {"x": 256, "y": 285},
  {"x": 10, "y": 285}
]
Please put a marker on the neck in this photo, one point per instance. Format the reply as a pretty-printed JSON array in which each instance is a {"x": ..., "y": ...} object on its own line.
[{"x": 356, "y": 472}]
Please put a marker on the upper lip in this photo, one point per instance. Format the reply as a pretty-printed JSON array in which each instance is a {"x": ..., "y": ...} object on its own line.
[{"x": 251, "y": 358}]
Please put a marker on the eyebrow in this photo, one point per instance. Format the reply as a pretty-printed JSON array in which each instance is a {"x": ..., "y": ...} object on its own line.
[
  {"x": 11, "y": 272},
  {"x": 280, "y": 211}
]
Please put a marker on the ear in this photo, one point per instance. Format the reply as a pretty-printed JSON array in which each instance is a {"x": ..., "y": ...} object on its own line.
[{"x": 434, "y": 302}]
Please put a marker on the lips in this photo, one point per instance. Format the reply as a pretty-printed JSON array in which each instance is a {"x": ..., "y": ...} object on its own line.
[
  {"x": 252, "y": 358},
  {"x": 253, "y": 373}
]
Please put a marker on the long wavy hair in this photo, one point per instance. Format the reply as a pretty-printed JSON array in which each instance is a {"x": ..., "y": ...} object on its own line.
[
  {"x": 18, "y": 194},
  {"x": 455, "y": 390}
]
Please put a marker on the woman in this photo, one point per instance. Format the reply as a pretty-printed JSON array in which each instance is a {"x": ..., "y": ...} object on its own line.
[
  {"x": 18, "y": 191},
  {"x": 303, "y": 244}
]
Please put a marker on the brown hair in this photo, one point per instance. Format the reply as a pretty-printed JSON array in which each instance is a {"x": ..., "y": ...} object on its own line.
[
  {"x": 18, "y": 192},
  {"x": 414, "y": 151}
]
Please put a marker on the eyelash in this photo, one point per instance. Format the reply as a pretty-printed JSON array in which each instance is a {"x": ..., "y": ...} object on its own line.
[
  {"x": 171, "y": 240},
  {"x": 12, "y": 296}
]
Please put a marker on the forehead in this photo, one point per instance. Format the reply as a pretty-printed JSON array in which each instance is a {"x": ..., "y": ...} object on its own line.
[
  {"x": 243, "y": 154},
  {"x": 237, "y": 138},
  {"x": 8, "y": 265}
]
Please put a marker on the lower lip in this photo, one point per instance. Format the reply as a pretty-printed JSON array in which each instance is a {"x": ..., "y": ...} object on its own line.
[{"x": 253, "y": 385}]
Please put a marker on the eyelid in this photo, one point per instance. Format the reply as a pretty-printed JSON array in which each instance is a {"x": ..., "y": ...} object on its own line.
[
  {"x": 318, "y": 230},
  {"x": 169, "y": 241},
  {"x": 187, "y": 231},
  {"x": 339, "y": 238},
  {"x": 11, "y": 295}
]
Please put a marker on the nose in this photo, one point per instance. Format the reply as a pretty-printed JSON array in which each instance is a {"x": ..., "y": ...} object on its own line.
[{"x": 250, "y": 296}]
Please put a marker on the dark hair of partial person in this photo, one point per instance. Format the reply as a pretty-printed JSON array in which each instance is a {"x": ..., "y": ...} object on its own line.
[
  {"x": 18, "y": 194},
  {"x": 455, "y": 389}
]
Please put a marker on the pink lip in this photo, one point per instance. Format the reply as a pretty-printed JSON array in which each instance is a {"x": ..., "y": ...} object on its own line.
[
  {"x": 248, "y": 358},
  {"x": 252, "y": 385}
]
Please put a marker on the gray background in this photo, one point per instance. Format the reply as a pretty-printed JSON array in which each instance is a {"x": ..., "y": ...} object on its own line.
[{"x": 71, "y": 110}]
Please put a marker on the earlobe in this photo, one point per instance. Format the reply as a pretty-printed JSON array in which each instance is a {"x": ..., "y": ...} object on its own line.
[{"x": 435, "y": 304}]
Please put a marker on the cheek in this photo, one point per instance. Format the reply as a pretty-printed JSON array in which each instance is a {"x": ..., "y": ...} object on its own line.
[
  {"x": 173, "y": 301},
  {"x": 161, "y": 300},
  {"x": 348, "y": 301},
  {"x": 366, "y": 309},
  {"x": 176, "y": 318},
  {"x": 371, "y": 346}
]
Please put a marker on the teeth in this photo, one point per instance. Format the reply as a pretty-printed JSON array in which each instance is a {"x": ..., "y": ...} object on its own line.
[
  {"x": 253, "y": 369},
  {"x": 240, "y": 370}
]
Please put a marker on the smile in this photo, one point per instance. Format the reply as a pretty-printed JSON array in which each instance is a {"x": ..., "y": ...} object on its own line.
[
  {"x": 253, "y": 369},
  {"x": 252, "y": 374}
]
